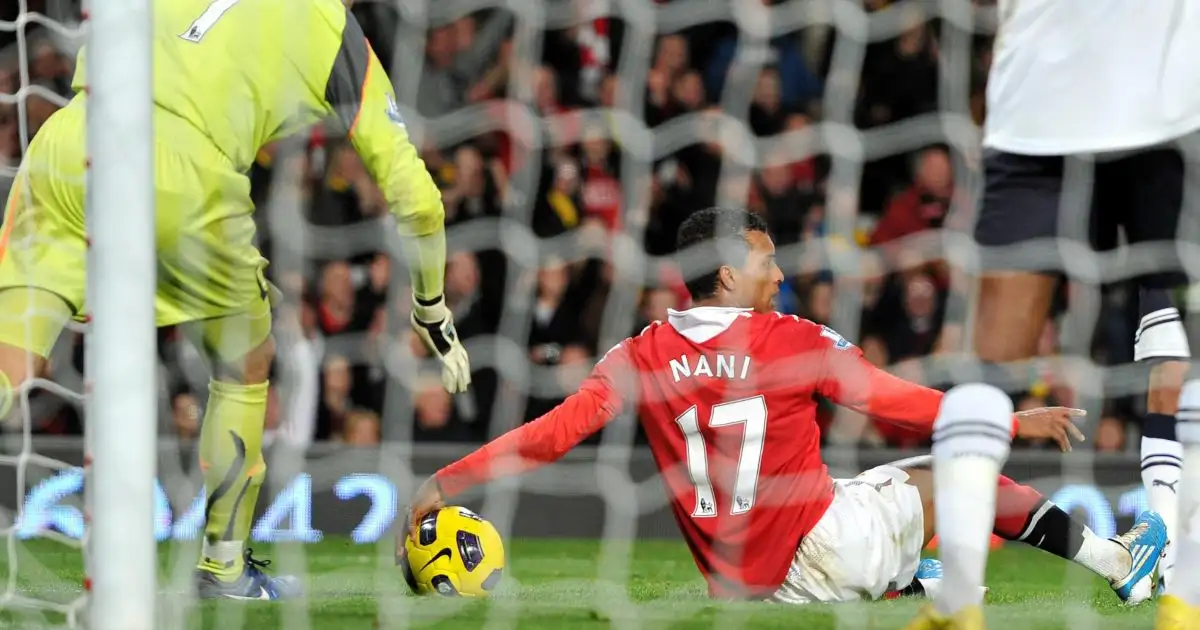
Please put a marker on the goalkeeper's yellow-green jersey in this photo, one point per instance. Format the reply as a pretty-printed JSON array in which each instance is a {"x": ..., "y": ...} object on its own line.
[{"x": 249, "y": 72}]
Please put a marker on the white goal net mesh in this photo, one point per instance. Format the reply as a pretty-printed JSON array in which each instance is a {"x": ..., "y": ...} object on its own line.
[{"x": 570, "y": 140}]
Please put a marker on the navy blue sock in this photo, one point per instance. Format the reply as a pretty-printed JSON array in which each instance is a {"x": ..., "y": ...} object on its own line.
[{"x": 1161, "y": 426}]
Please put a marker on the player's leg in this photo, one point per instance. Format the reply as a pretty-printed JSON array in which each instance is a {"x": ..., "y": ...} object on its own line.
[
  {"x": 1020, "y": 203},
  {"x": 1127, "y": 561},
  {"x": 210, "y": 281},
  {"x": 971, "y": 443},
  {"x": 1147, "y": 189},
  {"x": 1162, "y": 342},
  {"x": 1022, "y": 514},
  {"x": 240, "y": 351},
  {"x": 30, "y": 321},
  {"x": 1179, "y": 608},
  {"x": 231, "y": 434}
]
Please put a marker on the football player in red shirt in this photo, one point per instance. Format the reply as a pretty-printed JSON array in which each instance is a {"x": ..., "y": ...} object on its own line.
[{"x": 726, "y": 394}]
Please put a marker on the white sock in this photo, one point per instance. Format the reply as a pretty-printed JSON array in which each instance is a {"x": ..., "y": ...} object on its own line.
[
  {"x": 227, "y": 552},
  {"x": 1185, "y": 582},
  {"x": 1161, "y": 471},
  {"x": 1107, "y": 558},
  {"x": 971, "y": 442}
]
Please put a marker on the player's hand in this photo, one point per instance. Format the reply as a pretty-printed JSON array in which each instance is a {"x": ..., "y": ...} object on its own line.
[
  {"x": 1055, "y": 423},
  {"x": 427, "y": 499},
  {"x": 434, "y": 326}
]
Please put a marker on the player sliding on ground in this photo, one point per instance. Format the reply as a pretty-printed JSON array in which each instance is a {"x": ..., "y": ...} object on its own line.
[
  {"x": 726, "y": 394},
  {"x": 230, "y": 76}
]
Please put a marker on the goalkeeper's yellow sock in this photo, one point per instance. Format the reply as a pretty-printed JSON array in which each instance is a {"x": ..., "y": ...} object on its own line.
[
  {"x": 6, "y": 396},
  {"x": 234, "y": 470}
]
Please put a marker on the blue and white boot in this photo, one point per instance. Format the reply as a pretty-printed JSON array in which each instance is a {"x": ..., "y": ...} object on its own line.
[
  {"x": 252, "y": 584},
  {"x": 929, "y": 577},
  {"x": 927, "y": 581},
  {"x": 929, "y": 569},
  {"x": 1146, "y": 543}
]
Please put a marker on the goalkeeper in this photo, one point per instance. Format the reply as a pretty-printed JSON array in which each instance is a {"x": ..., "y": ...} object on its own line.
[{"x": 229, "y": 77}]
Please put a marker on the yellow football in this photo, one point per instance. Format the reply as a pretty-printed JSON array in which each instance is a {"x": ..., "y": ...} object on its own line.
[{"x": 454, "y": 553}]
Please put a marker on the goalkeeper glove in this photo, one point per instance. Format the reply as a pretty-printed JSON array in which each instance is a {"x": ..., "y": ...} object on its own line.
[{"x": 434, "y": 325}]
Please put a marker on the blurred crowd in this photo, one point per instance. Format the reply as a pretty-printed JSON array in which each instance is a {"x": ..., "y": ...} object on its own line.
[{"x": 564, "y": 172}]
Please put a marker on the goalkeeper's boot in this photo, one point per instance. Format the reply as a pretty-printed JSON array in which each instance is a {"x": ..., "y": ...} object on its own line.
[
  {"x": 1145, "y": 543},
  {"x": 969, "y": 618},
  {"x": 1176, "y": 614},
  {"x": 253, "y": 583}
]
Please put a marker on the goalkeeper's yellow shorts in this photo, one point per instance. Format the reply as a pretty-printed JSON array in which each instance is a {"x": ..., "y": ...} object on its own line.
[{"x": 208, "y": 265}]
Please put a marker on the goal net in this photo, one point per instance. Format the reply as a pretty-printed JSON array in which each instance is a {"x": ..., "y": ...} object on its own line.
[{"x": 570, "y": 140}]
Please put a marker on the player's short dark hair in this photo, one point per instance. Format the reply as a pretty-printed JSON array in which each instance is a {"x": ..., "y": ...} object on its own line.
[{"x": 711, "y": 227}]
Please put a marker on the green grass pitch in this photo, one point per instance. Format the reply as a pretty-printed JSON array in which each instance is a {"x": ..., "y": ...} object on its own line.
[{"x": 562, "y": 585}]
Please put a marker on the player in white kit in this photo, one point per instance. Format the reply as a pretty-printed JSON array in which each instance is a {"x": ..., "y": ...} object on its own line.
[{"x": 1088, "y": 106}]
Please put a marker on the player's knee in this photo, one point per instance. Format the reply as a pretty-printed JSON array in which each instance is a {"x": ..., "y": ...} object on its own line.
[
  {"x": 16, "y": 366},
  {"x": 256, "y": 366},
  {"x": 1166, "y": 384},
  {"x": 30, "y": 322},
  {"x": 239, "y": 348},
  {"x": 15, "y": 369},
  {"x": 249, "y": 368}
]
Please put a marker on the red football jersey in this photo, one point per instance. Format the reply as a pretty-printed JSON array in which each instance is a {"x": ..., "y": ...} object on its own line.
[
  {"x": 726, "y": 398},
  {"x": 727, "y": 403}
]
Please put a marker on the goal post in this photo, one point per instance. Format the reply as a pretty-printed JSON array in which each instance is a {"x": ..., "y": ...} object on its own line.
[{"x": 121, "y": 397}]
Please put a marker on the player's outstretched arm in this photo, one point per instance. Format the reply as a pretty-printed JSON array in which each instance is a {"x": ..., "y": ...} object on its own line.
[
  {"x": 530, "y": 445},
  {"x": 534, "y": 444},
  {"x": 521, "y": 450},
  {"x": 358, "y": 92},
  {"x": 848, "y": 379}
]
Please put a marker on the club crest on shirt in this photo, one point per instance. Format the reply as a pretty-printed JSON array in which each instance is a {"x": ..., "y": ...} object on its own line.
[
  {"x": 839, "y": 341},
  {"x": 393, "y": 111}
]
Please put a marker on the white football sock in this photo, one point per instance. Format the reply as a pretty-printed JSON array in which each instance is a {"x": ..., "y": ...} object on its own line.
[
  {"x": 1161, "y": 471},
  {"x": 227, "y": 552},
  {"x": 1185, "y": 582},
  {"x": 972, "y": 437},
  {"x": 1107, "y": 558}
]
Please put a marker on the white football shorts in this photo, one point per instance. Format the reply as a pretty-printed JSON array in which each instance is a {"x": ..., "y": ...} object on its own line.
[{"x": 868, "y": 543}]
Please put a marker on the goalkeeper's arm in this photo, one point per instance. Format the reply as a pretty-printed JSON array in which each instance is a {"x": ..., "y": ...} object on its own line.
[{"x": 360, "y": 93}]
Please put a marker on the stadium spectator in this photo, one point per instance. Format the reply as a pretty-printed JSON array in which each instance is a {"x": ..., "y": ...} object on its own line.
[
  {"x": 797, "y": 86},
  {"x": 186, "y": 412},
  {"x": 784, "y": 204},
  {"x": 336, "y": 403},
  {"x": 362, "y": 428},
  {"x": 338, "y": 309},
  {"x": 924, "y": 204},
  {"x": 1110, "y": 434},
  {"x": 601, "y": 188}
]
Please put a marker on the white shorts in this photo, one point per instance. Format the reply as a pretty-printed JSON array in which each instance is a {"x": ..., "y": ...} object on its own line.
[{"x": 868, "y": 543}]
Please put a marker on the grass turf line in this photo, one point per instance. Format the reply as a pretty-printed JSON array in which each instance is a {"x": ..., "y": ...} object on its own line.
[{"x": 553, "y": 584}]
